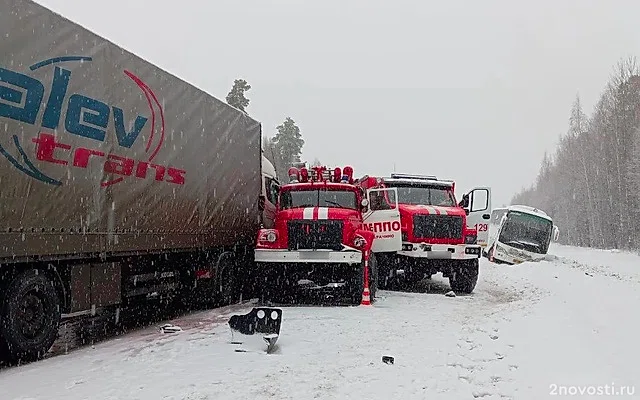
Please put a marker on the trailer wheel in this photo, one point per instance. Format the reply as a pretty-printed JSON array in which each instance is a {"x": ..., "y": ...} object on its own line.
[
  {"x": 29, "y": 316},
  {"x": 228, "y": 281},
  {"x": 464, "y": 279}
]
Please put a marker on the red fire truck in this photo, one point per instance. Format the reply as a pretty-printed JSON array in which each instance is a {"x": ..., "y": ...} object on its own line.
[
  {"x": 438, "y": 233},
  {"x": 323, "y": 224}
]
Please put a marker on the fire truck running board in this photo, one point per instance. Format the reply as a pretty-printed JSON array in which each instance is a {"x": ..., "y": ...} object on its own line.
[{"x": 306, "y": 284}]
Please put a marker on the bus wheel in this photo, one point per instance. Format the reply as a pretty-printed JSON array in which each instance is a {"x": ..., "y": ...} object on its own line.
[{"x": 29, "y": 316}]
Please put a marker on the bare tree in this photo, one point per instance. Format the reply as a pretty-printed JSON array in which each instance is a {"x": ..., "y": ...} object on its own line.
[{"x": 590, "y": 184}]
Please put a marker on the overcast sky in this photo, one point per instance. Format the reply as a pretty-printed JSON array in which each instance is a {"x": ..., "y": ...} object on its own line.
[{"x": 473, "y": 91}]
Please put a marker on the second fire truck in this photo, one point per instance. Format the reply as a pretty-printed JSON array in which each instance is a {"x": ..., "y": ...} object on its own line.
[
  {"x": 439, "y": 234},
  {"x": 324, "y": 222}
]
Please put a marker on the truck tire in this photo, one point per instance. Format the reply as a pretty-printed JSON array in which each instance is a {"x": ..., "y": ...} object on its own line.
[
  {"x": 386, "y": 271},
  {"x": 464, "y": 278},
  {"x": 228, "y": 283},
  {"x": 29, "y": 316}
]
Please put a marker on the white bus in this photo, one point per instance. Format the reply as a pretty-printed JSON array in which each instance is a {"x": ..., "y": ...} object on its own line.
[{"x": 519, "y": 233}]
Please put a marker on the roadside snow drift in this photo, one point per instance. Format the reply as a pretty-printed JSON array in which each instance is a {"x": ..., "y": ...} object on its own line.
[{"x": 567, "y": 326}]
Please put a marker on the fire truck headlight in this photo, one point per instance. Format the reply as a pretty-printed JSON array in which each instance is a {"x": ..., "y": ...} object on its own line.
[
  {"x": 359, "y": 242},
  {"x": 271, "y": 237}
]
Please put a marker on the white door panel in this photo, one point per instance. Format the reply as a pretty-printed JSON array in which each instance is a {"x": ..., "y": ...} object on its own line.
[
  {"x": 383, "y": 219},
  {"x": 479, "y": 207}
]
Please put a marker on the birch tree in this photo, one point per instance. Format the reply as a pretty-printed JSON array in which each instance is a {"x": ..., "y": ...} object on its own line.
[{"x": 591, "y": 185}]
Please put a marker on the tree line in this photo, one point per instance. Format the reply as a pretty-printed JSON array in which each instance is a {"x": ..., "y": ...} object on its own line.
[
  {"x": 591, "y": 185},
  {"x": 284, "y": 147}
]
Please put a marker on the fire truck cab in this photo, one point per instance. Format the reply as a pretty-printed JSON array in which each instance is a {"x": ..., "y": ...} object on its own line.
[
  {"x": 323, "y": 225},
  {"x": 439, "y": 234}
]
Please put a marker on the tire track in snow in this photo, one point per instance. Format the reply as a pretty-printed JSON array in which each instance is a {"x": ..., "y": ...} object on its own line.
[{"x": 483, "y": 357}]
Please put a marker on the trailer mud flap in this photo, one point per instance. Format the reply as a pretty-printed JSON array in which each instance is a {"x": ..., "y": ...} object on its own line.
[{"x": 255, "y": 329}]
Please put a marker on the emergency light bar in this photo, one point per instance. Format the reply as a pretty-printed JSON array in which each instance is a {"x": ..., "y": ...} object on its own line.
[
  {"x": 409, "y": 176},
  {"x": 321, "y": 174}
]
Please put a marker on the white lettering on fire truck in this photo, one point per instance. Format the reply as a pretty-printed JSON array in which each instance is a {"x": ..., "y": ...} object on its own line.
[{"x": 386, "y": 226}]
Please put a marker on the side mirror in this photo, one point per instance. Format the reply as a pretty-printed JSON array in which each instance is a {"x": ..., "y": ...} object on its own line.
[
  {"x": 466, "y": 211},
  {"x": 464, "y": 203},
  {"x": 364, "y": 205}
]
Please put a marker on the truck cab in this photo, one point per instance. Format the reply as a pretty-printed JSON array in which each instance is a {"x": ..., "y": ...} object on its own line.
[
  {"x": 439, "y": 234},
  {"x": 320, "y": 234}
]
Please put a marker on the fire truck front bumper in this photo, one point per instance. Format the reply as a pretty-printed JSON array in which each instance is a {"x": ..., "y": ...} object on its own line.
[
  {"x": 307, "y": 256},
  {"x": 440, "y": 251}
]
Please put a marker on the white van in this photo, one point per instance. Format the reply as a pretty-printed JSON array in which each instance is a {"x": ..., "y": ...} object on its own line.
[{"x": 519, "y": 233}]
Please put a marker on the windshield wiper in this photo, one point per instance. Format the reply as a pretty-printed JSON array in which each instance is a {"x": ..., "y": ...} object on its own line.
[{"x": 334, "y": 203}]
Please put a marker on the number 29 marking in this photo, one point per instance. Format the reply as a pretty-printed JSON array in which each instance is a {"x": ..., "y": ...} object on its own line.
[{"x": 482, "y": 227}]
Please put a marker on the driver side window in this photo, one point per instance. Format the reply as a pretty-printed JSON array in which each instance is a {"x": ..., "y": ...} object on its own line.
[
  {"x": 378, "y": 201},
  {"x": 479, "y": 200}
]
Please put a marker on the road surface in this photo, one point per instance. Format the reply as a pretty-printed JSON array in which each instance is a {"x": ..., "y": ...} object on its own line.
[{"x": 535, "y": 331}]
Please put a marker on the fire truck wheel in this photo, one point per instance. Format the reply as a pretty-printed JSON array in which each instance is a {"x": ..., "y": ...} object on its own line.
[
  {"x": 464, "y": 278},
  {"x": 29, "y": 316},
  {"x": 386, "y": 271}
]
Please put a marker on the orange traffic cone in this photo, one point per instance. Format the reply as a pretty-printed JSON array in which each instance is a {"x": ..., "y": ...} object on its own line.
[{"x": 366, "y": 297}]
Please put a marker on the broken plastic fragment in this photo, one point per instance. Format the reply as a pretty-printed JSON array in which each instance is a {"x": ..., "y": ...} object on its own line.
[{"x": 168, "y": 328}]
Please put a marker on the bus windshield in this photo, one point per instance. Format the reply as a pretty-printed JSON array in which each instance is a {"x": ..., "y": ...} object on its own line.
[
  {"x": 318, "y": 198},
  {"x": 526, "y": 232}
]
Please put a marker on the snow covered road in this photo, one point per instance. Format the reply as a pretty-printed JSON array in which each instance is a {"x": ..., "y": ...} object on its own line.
[{"x": 572, "y": 322}]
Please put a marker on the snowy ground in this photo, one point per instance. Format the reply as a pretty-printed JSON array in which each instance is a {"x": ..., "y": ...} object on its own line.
[{"x": 572, "y": 323}]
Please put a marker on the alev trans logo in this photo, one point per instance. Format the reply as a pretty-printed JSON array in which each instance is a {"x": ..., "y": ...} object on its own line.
[{"x": 32, "y": 119}]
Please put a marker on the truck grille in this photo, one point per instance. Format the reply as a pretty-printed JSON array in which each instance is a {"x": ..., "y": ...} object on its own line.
[
  {"x": 322, "y": 234},
  {"x": 437, "y": 227}
]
